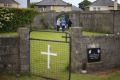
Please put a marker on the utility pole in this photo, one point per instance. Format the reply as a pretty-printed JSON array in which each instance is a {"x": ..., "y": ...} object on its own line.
[
  {"x": 115, "y": 5},
  {"x": 28, "y": 3}
]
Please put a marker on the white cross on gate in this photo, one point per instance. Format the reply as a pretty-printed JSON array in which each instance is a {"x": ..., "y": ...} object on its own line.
[{"x": 49, "y": 54}]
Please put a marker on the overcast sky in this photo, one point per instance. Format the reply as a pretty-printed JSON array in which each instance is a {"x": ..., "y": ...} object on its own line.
[{"x": 74, "y": 2}]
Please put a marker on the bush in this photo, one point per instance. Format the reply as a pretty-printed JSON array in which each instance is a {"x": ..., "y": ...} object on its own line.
[
  {"x": 12, "y": 18},
  {"x": 43, "y": 22}
]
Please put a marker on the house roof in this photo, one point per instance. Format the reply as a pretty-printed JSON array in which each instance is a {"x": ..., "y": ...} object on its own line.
[
  {"x": 103, "y": 3},
  {"x": 74, "y": 8},
  {"x": 52, "y": 2},
  {"x": 9, "y": 1}
]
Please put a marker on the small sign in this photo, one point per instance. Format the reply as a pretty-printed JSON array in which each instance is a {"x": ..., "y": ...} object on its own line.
[{"x": 94, "y": 54}]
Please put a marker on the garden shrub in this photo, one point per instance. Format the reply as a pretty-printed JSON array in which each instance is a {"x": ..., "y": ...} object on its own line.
[
  {"x": 12, "y": 18},
  {"x": 44, "y": 24}
]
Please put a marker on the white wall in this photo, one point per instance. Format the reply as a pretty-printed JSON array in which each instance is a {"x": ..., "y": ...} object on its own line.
[
  {"x": 54, "y": 8},
  {"x": 100, "y": 8},
  {"x": 1, "y": 5},
  {"x": 10, "y": 6},
  {"x": 62, "y": 8}
]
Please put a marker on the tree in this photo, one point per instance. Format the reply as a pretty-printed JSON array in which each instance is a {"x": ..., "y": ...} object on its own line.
[
  {"x": 32, "y": 5},
  {"x": 84, "y": 4}
]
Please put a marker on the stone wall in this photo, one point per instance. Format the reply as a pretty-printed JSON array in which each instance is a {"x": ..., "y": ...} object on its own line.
[
  {"x": 110, "y": 52},
  {"x": 116, "y": 21},
  {"x": 9, "y": 54},
  {"x": 103, "y": 21},
  {"x": 14, "y": 53},
  {"x": 97, "y": 21},
  {"x": 45, "y": 20}
]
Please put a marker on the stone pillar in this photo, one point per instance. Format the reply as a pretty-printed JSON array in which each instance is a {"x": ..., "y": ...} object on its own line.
[
  {"x": 76, "y": 33},
  {"x": 24, "y": 50}
]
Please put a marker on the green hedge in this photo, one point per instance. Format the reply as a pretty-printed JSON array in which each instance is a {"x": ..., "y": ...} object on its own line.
[{"x": 12, "y": 18}]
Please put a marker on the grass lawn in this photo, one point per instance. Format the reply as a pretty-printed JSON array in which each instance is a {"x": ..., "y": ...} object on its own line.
[
  {"x": 110, "y": 75},
  {"x": 9, "y": 34},
  {"x": 92, "y": 33},
  {"x": 59, "y": 63},
  {"x": 35, "y": 34}
]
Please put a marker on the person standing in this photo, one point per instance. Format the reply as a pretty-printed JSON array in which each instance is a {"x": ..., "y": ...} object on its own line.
[
  {"x": 58, "y": 24},
  {"x": 69, "y": 23},
  {"x": 63, "y": 24}
]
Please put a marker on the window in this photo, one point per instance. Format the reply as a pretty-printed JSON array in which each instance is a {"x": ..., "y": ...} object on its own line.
[
  {"x": 44, "y": 8},
  {"x": 9, "y": 5},
  {"x": 5, "y": 4},
  {"x": 94, "y": 8},
  {"x": 64, "y": 6},
  {"x": 98, "y": 8}
]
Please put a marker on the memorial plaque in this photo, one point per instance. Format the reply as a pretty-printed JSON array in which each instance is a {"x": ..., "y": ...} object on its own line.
[{"x": 94, "y": 54}]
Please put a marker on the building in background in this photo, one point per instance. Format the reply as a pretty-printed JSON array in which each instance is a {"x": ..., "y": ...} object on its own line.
[
  {"x": 9, "y": 3},
  {"x": 102, "y": 5},
  {"x": 55, "y": 5}
]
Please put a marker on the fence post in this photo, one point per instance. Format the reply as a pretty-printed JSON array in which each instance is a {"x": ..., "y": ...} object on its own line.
[{"x": 24, "y": 45}]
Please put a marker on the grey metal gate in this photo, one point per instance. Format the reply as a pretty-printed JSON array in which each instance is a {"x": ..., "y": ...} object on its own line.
[{"x": 50, "y": 58}]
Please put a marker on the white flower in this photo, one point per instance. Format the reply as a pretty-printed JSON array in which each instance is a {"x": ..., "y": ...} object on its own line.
[{"x": 1, "y": 24}]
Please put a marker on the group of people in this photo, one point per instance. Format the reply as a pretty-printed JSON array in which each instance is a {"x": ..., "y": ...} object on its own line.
[{"x": 62, "y": 23}]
